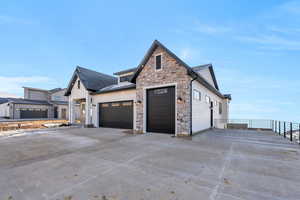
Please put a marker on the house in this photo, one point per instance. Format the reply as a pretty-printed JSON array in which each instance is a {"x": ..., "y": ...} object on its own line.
[
  {"x": 162, "y": 94},
  {"x": 37, "y": 103}
]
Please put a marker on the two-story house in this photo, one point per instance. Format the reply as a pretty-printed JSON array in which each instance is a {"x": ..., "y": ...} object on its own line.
[
  {"x": 37, "y": 103},
  {"x": 162, "y": 94}
]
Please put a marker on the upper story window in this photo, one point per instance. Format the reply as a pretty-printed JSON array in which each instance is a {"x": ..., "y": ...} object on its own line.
[
  {"x": 207, "y": 99},
  {"x": 78, "y": 84},
  {"x": 125, "y": 78},
  {"x": 158, "y": 62},
  {"x": 197, "y": 95},
  {"x": 220, "y": 108}
]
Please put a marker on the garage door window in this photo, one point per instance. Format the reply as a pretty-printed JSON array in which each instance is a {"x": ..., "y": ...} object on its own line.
[
  {"x": 115, "y": 104},
  {"x": 104, "y": 105}
]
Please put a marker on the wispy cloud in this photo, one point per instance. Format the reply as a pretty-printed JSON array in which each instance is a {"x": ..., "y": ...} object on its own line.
[
  {"x": 291, "y": 7},
  {"x": 13, "y": 85},
  {"x": 15, "y": 20},
  {"x": 273, "y": 42},
  {"x": 211, "y": 29}
]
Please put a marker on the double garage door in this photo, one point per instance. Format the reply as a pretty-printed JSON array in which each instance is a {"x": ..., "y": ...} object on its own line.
[
  {"x": 160, "y": 112},
  {"x": 116, "y": 114},
  {"x": 33, "y": 113}
]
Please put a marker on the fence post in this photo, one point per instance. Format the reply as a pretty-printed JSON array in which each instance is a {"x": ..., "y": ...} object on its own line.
[
  {"x": 284, "y": 129},
  {"x": 279, "y": 128},
  {"x": 291, "y": 133}
]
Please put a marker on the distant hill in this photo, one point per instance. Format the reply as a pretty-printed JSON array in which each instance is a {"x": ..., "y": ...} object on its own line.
[{"x": 5, "y": 94}]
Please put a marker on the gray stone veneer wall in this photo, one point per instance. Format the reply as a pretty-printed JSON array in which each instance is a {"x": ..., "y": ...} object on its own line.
[{"x": 172, "y": 72}]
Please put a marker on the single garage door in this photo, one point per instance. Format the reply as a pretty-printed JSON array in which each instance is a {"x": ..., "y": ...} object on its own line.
[
  {"x": 31, "y": 114},
  {"x": 161, "y": 110},
  {"x": 116, "y": 114}
]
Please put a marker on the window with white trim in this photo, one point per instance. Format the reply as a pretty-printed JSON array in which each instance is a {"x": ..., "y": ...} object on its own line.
[
  {"x": 197, "y": 95},
  {"x": 207, "y": 99},
  {"x": 158, "y": 62}
]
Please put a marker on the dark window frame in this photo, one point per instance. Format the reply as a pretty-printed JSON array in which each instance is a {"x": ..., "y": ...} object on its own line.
[
  {"x": 78, "y": 84},
  {"x": 158, "y": 67}
]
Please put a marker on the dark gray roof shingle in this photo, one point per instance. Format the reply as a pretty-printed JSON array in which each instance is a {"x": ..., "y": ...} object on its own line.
[
  {"x": 210, "y": 67},
  {"x": 31, "y": 101},
  {"x": 24, "y": 101},
  {"x": 92, "y": 80},
  {"x": 126, "y": 71},
  {"x": 116, "y": 87}
]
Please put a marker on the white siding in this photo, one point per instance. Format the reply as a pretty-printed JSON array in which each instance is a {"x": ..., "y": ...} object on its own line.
[
  {"x": 205, "y": 73},
  {"x": 78, "y": 93},
  {"x": 36, "y": 95},
  {"x": 201, "y": 109},
  {"x": 59, "y": 96},
  {"x": 4, "y": 110},
  {"x": 110, "y": 97}
]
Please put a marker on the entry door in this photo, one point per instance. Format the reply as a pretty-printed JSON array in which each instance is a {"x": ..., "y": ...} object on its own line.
[
  {"x": 55, "y": 112},
  {"x": 161, "y": 110},
  {"x": 116, "y": 114}
]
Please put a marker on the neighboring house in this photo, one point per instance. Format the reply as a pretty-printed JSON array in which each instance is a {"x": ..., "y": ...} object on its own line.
[
  {"x": 37, "y": 103},
  {"x": 162, "y": 94}
]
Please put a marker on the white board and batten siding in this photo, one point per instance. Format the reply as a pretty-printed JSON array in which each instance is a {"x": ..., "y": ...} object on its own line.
[
  {"x": 205, "y": 73},
  {"x": 201, "y": 109},
  {"x": 36, "y": 94},
  {"x": 124, "y": 95},
  {"x": 59, "y": 96},
  {"x": 80, "y": 93},
  {"x": 4, "y": 110}
]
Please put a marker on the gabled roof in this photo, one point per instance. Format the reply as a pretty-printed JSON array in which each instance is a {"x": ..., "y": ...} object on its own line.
[
  {"x": 92, "y": 80},
  {"x": 190, "y": 71},
  {"x": 23, "y": 101},
  {"x": 116, "y": 87},
  {"x": 56, "y": 90},
  {"x": 210, "y": 67}
]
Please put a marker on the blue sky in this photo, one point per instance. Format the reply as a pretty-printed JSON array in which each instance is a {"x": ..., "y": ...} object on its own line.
[{"x": 253, "y": 45}]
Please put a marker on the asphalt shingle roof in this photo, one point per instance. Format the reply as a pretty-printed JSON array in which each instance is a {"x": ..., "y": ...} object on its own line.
[
  {"x": 92, "y": 80},
  {"x": 116, "y": 87},
  {"x": 24, "y": 101}
]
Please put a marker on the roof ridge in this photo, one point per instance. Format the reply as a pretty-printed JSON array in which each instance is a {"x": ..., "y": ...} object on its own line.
[{"x": 78, "y": 67}]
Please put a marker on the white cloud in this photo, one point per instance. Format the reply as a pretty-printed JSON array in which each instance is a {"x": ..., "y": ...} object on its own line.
[
  {"x": 291, "y": 7},
  {"x": 14, "y": 20},
  {"x": 273, "y": 42},
  {"x": 211, "y": 29},
  {"x": 13, "y": 85}
]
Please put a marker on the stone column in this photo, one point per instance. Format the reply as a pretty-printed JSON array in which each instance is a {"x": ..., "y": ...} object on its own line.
[
  {"x": 88, "y": 106},
  {"x": 71, "y": 111}
]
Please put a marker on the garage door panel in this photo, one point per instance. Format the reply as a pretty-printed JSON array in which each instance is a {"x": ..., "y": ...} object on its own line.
[
  {"x": 33, "y": 114},
  {"x": 116, "y": 114},
  {"x": 161, "y": 110}
]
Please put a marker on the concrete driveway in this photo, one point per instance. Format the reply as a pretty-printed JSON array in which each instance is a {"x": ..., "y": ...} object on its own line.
[{"x": 81, "y": 164}]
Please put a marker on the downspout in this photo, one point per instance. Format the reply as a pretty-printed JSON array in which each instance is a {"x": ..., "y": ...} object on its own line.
[{"x": 191, "y": 105}]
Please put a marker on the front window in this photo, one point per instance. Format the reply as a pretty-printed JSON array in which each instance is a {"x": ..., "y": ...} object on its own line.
[
  {"x": 197, "y": 95},
  {"x": 158, "y": 62},
  {"x": 78, "y": 84},
  {"x": 207, "y": 99},
  {"x": 220, "y": 108},
  {"x": 125, "y": 78}
]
